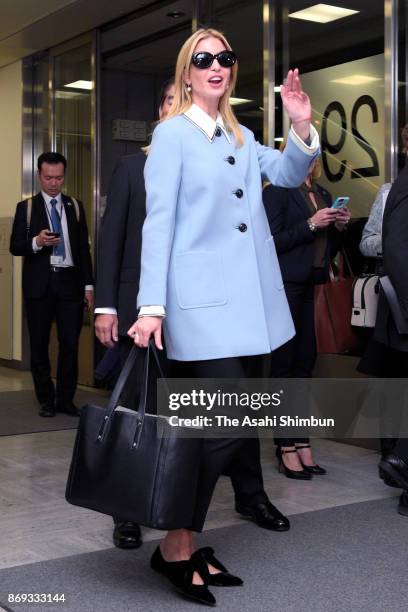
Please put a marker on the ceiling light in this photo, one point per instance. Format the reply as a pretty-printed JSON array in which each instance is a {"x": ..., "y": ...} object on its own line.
[
  {"x": 80, "y": 85},
  {"x": 322, "y": 13},
  {"x": 61, "y": 94},
  {"x": 356, "y": 79},
  {"x": 237, "y": 101}
]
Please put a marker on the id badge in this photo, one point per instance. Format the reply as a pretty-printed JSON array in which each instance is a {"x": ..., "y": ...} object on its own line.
[{"x": 56, "y": 260}]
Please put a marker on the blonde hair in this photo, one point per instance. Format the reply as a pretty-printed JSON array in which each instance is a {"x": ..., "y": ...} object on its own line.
[
  {"x": 183, "y": 98},
  {"x": 317, "y": 170}
]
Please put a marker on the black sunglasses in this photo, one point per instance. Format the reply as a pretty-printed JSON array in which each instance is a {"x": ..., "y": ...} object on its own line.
[{"x": 204, "y": 59}]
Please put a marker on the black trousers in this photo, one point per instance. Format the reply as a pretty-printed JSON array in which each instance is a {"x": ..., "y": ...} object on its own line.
[
  {"x": 235, "y": 457},
  {"x": 296, "y": 358},
  {"x": 63, "y": 304}
]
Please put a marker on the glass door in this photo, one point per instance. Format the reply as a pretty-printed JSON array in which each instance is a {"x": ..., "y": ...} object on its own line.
[
  {"x": 339, "y": 51},
  {"x": 72, "y": 125}
]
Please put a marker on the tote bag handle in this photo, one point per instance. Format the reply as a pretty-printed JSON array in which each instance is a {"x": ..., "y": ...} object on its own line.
[{"x": 124, "y": 375}]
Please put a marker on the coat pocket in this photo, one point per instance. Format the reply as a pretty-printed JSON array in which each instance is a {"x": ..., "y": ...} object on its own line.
[
  {"x": 277, "y": 275},
  {"x": 199, "y": 279}
]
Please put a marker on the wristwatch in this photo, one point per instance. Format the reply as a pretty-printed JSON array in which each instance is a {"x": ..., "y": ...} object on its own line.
[{"x": 312, "y": 226}]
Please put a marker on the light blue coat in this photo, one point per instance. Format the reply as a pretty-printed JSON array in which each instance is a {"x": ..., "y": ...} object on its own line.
[{"x": 221, "y": 287}]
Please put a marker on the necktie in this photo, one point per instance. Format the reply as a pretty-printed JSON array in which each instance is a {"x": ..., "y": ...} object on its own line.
[{"x": 57, "y": 227}]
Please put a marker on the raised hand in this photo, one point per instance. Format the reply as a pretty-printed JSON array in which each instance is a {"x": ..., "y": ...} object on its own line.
[{"x": 296, "y": 103}]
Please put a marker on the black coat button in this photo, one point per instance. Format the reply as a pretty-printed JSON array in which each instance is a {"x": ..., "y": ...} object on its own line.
[
  {"x": 231, "y": 160},
  {"x": 218, "y": 131},
  {"x": 239, "y": 193},
  {"x": 242, "y": 227}
]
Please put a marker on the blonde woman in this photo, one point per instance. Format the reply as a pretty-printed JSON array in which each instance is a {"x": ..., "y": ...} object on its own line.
[{"x": 209, "y": 271}]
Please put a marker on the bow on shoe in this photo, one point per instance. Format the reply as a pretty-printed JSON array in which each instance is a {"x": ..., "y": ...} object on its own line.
[
  {"x": 198, "y": 592},
  {"x": 198, "y": 563},
  {"x": 223, "y": 578}
]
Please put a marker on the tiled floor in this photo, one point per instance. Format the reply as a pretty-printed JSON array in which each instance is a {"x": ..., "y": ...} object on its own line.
[
  {"x": 20, "y": 380},
  {"x": 37, "y": 524},
  {"x": 15, "y": 380}
]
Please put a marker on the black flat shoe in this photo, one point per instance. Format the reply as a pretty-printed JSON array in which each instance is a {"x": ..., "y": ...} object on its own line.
[
  {"x": 403, "y": 504},
  {"x": 295, "y": 474},
  {"x": 127, "y": 535},
  {"x": 223, "y": 578},
  {"x": 396, "y": 469},
  {"x": 265, "y": 515},
  {"x": 47, "y": 411},
  {"x": 180, "y": 574},
  {"x": 387, "y": 479}
]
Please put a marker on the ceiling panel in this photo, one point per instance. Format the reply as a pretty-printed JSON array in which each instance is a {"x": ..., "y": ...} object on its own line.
[
  {"x": 28, "y": 26},
  {"x": 151, "y": 54},
  {"x": 146, "y": 25},
  {"x": 18, "y": 14}
]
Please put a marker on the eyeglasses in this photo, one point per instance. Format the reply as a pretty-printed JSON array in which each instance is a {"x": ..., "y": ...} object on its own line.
[{"x": 204, "y": 59}]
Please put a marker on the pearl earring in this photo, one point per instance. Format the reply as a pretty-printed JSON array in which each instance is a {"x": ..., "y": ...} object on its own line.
[{"x": 188, "y": 87}]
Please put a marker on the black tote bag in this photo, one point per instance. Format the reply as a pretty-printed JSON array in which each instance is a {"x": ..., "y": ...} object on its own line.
[{"x": 123, "y": 467}]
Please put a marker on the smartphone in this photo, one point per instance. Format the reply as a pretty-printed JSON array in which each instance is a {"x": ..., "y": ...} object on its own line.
[
  {"x": 340, "y": 202},
  {"x": 54, "y": 234}
]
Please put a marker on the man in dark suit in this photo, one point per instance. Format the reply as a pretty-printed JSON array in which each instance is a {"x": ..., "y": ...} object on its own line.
[
  {"x": 115, "y": 308},
  {"x": 118, "y": 275},
  {"x": 394, "y": 466},
  {"x": 50, "y": 231}
]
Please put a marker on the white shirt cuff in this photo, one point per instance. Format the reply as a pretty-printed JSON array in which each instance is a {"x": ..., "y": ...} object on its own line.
[
  {"x": 88, "y": 287},
  {"x": 152, "y": 311},
  {"x": 35, "y": 246},
  {"x": 111, "y": 311},
  {"x": 311, "y": 149}
]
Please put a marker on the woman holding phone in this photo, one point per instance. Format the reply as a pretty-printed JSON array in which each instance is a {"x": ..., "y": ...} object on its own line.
[
  {"x": 305, "y": 226},
  {"x": 209, "y": 271}
]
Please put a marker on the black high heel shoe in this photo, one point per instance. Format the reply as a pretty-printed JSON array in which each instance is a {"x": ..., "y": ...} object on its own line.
[
  {"x": 223, "y": 578},
  {"x": 295, "y": 474},
  {"x": 180, "y": 574},
  {"x": 315, "y": 469}
]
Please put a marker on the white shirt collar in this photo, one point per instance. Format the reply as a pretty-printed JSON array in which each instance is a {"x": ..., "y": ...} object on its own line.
[
  {"x": 48, "y": 198},
  {"x": 206, "y": 123}
]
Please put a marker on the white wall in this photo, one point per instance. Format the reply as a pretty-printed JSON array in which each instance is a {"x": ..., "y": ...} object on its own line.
[{"x": 11, "y": 113}]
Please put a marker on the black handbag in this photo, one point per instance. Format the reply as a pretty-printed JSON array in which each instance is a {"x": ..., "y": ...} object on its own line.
[{"x": 130, "y": 465}]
